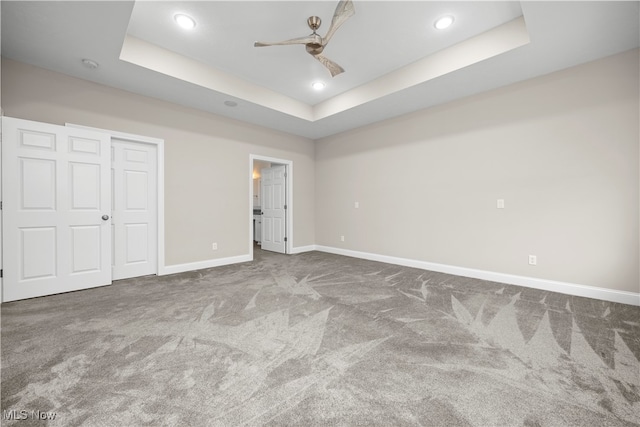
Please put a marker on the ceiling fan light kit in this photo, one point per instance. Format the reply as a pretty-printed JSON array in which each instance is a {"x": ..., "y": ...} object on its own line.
[{"x": 314, "y": 43}]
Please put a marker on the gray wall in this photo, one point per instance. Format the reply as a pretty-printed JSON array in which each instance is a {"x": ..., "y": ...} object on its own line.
[
  {"x": 207, "y": 169},
  {"x": 562, "y": 150}
]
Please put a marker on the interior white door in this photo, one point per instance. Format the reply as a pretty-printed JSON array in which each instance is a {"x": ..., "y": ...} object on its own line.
[
  {"x": 134, "y": 209},
  {"x": 273, "y": 189},
  {"x": 56, "y": 209}
]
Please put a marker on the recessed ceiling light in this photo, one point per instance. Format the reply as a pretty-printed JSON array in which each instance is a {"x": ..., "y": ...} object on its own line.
[
  {"x": 185, "y": 21},
  {"x": 230, "y": 103},
  {"x": 90, "y": 64},
  {"x": 443, "y": 22},
  {"x": 318, "y": 85}
]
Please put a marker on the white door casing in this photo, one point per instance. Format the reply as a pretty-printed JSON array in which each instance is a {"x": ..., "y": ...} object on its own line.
[
  {"x": 56, "y": 190},
  {"x": 273, "y": 199},
  {"x": 134, "y": 209}
]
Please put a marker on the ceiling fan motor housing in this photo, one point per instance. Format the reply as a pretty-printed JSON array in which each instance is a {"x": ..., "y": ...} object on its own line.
[{"x": 314, "y": 48}]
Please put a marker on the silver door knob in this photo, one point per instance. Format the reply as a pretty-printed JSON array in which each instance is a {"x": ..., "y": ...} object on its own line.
[{"x": 105, "y": 217}]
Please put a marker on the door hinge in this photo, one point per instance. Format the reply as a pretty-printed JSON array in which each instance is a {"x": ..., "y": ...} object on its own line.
[
  {"x": 285, "y": 239},
  {"x": 285, "y": 206},
  {"x": 1, "y": 273},
  {"x": 285, "y": 174},
  {"x": 0, "y": 205}
]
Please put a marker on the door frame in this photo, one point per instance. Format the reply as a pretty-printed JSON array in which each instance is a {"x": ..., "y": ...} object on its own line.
[
  {"x": 288, "y": 194},
  {"x": 159, "y": 143}
]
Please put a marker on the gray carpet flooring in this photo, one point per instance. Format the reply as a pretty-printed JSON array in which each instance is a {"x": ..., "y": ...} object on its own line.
[{"x": 319, "y": 339}]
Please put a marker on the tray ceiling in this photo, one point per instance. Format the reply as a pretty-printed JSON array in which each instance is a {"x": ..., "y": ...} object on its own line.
[{"x": 396, "y": 61}]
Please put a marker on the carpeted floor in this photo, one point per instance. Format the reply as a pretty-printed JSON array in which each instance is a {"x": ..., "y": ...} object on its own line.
[{"x": 319, "y": 339}]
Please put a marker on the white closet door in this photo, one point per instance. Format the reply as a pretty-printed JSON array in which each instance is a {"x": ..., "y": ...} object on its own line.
[
  {"x": 56, "y": 209},
  {"x": 273, "y": 191},
  {"x": 134, "y": 222}
]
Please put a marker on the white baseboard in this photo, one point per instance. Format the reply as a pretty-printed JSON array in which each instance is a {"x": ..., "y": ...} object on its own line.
[
  {"x": 301, "y": 249},
  {"x": 181, "y": 268},
  {"x": 623, "y": 297}
]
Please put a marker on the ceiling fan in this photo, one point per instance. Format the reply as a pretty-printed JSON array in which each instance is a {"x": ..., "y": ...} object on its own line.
[{"x": 314, "y": 43}]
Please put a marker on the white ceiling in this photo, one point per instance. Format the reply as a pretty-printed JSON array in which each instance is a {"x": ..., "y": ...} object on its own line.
[
  {"x": 395, "y": 60},
  {"x": 366, "y": 46}
]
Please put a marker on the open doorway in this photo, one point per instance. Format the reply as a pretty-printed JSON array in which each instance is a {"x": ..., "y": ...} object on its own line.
[{"x": 271, "y": 204}]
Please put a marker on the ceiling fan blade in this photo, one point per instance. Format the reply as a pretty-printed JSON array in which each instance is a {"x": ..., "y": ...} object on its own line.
[
  {"x": 301, "y": 40},
  {"x": 344, "y": 11},
  {"x": 333, "y": 68}
]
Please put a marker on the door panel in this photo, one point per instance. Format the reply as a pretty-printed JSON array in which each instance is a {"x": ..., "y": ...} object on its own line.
[
  {"x": 267, "y": 230},
  {"x": 55, "y": 190},
  {"x": 37, "y": 252},
  {"x": 273, "y": 208},
  {"x": 84, "y": 186},
  {"x": 37, "y": 185},
  {"x": 81, "y": 145},
  {"x": 136, "y": 189},
  {"x": 137, "y": 238},
  {"x": 134, "y": 209},
  {"x": 37, "y": 139},
  {"x": 278, "y": 230},
  {"x": 85, "y": 249},
  {"x": 135, "y": 155}
]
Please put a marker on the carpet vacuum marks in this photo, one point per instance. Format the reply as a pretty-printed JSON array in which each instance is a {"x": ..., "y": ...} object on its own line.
[{"x": 319, "y": 339}]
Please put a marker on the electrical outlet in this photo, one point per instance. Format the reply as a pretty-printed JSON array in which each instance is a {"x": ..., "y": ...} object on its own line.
[
  {"x": 214, "y": 246},
  {"x": 500, "y": 204},
  {"x": 533, "y": 260},
  {"x": 342, "y": 238},
  {"x": 357, "y": 205}
]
